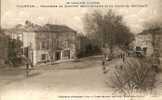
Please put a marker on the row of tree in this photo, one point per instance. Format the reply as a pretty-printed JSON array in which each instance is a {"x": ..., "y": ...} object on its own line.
[{"x": 106, "y": 30}]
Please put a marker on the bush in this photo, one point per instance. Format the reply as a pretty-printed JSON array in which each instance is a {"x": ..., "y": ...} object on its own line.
[{"x": 133, "y": 75}]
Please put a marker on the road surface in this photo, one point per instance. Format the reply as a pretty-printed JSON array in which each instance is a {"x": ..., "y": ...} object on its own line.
[
  {"x": 83, "y": 80},
  {"x": 47, "y": 82}
]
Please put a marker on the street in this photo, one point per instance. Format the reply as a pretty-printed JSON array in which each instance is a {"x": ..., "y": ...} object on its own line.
[{"x": 46, "y": 82}]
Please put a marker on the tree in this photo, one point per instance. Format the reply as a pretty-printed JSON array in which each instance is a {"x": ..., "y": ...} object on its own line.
[
  {"x": 107, "y": 29},
  {"x": 3, "y": 47},
  {"x": 86, "y": 47},
  {"x": 14, "y": 51}
]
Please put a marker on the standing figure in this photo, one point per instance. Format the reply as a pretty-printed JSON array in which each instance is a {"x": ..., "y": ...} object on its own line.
[
  {"x": 103, "y": 65},
  {"x": 123, "y": 56},
  {"x": 27, "y": 69},
  {"x": 27, "y": 64}
]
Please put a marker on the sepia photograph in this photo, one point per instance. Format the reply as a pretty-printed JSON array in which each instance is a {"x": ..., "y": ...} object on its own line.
[{"x": 80, "y": 50}]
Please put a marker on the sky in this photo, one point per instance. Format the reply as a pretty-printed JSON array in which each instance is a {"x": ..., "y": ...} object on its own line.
[{"x": 134, "y": 17}]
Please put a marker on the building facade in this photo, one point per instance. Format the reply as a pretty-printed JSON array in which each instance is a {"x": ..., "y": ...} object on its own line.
[
  {"x": 48, "y": 43},
  {"x": 151, "y": 40},
  {"x": 144, "y": 42}
]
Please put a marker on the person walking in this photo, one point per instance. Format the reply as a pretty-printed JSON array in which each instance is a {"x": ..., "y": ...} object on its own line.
[
  {"x": 103, "y": 64},
  {"x": 123, "y": 57},
  {"x": 26, "y": 63}
]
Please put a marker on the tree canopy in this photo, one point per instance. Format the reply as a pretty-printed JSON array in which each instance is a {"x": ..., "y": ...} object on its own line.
[{"x": 108, "y": 29}]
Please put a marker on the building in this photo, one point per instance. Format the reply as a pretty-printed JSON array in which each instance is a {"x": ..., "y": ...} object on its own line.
[
  {"x": 48, "y": 43},
  {"x": 144, "y": 42},
  {"x": 150, "y": 41}
]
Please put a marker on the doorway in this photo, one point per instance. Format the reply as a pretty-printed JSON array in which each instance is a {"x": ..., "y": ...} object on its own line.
[{"x": 58, "y": 55}]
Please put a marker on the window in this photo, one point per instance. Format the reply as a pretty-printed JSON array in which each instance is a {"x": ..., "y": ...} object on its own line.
[
  {"x": 44, "y": 45},
  {"x": 43, "y": 57},
  {"x": 66, "y": 43},
  {"x": 66, "y": 53}
]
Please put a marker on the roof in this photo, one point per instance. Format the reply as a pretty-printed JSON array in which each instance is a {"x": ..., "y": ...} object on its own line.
[
  {"x": 24, "y": 28},
  {"x": 57, "y": 28},
  {"x": 30, "y": 27},
  {"x": 151, "y": 31}
]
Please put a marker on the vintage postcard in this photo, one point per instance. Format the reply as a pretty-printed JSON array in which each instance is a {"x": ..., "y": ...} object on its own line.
[{"x": 80, "y": 50}]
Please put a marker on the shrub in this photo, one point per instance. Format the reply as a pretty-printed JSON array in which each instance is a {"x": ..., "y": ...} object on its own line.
[{"x": 135, "y": 74}]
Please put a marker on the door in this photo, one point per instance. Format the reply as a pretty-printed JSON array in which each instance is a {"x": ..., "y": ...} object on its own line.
[
  {"x": 67, "y": 54},
  {"x": 58, "y": 55}
]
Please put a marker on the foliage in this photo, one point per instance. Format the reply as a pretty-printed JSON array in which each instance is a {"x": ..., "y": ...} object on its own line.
[
  {"x": 108, "y": 29},
  {"x": 87, "y": 47},
  {"x": 3, "y": 47},
  {"x": 14, "y": 51},
  {"x": 134, "y": 75}
]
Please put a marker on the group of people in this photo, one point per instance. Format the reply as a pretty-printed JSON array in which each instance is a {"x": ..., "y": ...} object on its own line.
[{"x": 123, "y": 56}]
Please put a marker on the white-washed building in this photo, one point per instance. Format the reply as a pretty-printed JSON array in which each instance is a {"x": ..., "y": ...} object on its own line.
[
  {"x": 144, "y": 41},
  {"x": 48, "y": 43},
  {"x": 151, "y": 40}
]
